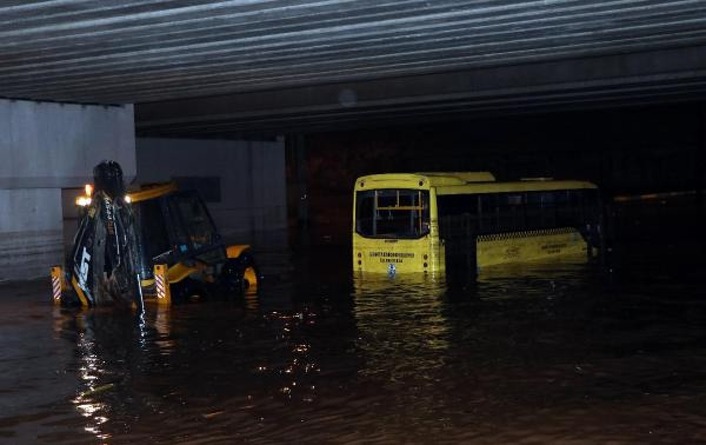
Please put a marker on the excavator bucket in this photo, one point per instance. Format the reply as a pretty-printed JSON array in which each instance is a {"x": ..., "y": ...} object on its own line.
[{"x": 101, "y": 268}]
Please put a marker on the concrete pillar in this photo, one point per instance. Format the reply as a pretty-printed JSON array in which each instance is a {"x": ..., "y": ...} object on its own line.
[
  {"x": 700, "y": 173},
  {"x": 297, "y": 147},
  {"x": 45, "y": 147}
]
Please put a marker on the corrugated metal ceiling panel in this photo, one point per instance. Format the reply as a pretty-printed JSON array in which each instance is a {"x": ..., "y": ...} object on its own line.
[{"x": 111, "y": 51}]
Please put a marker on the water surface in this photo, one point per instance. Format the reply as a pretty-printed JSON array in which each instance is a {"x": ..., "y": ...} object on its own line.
[{"x": 550, "y": 353}]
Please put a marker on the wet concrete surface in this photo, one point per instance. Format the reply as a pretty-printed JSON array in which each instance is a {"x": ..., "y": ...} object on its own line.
[{"x": 550, "y": 353}]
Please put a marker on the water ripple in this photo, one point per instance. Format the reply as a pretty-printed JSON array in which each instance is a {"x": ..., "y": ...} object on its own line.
[{"x": 553, "y": 353}]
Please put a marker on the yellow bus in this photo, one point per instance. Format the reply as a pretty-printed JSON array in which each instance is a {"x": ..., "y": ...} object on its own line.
[{"x": 464, "y": 222}]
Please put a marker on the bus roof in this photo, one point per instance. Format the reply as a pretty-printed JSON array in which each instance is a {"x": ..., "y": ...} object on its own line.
[
  {"x": 423, "y": 180},
  {"x": 451, "y": 183},
  {"x": 515, "y": 186}
]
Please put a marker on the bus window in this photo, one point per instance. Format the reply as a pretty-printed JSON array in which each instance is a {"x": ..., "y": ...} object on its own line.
[
  {"x": 510, "y": 212},
  {"x": 392, "y": 213},
  {"x": 487, "y": 211},
  {"x": 577, "y": 208},
  {"x": 533, "y": 211},
  {"x": 541, "y": 209}
]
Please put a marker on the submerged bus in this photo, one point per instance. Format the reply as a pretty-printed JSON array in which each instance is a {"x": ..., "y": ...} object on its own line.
[{"x": 462, "y": 222}]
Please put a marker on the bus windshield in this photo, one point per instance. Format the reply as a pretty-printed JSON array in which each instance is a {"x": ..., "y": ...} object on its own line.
[{"x": 392, "y": 213}]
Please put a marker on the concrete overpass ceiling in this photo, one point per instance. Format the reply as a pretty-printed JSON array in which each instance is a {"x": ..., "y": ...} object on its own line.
[{"x": 215, "y": 68}]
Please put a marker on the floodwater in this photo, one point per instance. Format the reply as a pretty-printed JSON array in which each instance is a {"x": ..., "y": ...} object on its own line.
[{"x": 552, "y": 353}]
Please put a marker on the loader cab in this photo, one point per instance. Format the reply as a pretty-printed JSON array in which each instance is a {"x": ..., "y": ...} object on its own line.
[{"x": 175, "y": 227}]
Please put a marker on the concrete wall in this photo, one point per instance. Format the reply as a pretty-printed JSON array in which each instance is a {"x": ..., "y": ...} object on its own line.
[
  {"x": 56, "y": 145},
  {"x": 252, "y": 208},
  {"x": 45, "y": 147},
  {"x": 30, "y": 232}
]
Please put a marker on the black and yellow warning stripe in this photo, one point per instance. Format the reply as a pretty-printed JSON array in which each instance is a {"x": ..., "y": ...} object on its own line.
[{"x": 526, "y": 234}]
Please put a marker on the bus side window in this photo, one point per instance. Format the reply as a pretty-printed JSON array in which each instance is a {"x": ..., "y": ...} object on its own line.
[
  {"x": 516, "y": 211},
  {"x": 487, "y": 212},
  {"x": 533, "y": 211},
  {"x": 565, "y": 213},
  {"x": 550, "y": 203},
  {"x": 510, "y": 212}
]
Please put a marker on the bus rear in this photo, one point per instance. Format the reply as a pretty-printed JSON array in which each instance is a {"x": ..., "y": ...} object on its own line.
[{"x": 392, "y": 225}]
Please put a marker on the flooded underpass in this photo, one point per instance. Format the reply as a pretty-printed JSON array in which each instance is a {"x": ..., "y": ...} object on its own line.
[{"x": 552, "y": 353}]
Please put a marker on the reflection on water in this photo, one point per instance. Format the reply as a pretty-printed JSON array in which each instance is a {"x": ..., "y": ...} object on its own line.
[
  {"x": 548, "y": 353},
  {"x": 90, "y": 369},
  {"x": 403, "y": 332}
]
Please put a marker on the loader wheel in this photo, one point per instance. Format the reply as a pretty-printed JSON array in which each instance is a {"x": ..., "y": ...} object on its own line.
[
  {"x": 188, "y": 290},
  {"x": 240, "y": 276},
  {"x": 251, "y": 277}
]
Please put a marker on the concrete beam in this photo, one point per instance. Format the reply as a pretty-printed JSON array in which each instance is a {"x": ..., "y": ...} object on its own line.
[{"x": 657, "y": 75}]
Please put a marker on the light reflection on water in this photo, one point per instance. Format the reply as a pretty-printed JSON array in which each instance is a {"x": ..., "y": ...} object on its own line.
[
  {"x": 90, "y": 371},
  {"x": 551, "y": 353},
  {"x": 403, "y": 332}
]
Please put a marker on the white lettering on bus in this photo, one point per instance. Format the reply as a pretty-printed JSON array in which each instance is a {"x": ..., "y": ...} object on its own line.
[{"x": 391, "y": 255}]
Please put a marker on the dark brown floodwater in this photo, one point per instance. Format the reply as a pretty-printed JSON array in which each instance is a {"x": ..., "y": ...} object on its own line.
[{"x": 560, "y": 354}]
